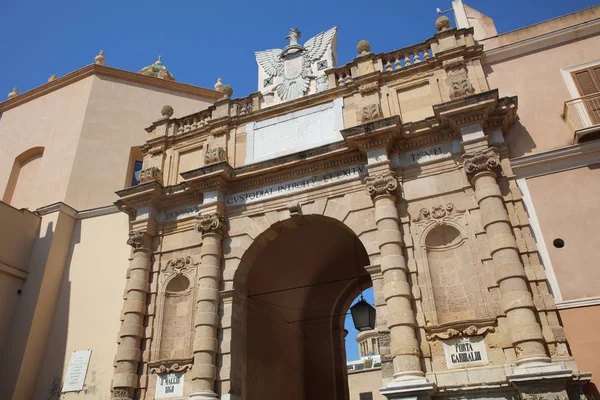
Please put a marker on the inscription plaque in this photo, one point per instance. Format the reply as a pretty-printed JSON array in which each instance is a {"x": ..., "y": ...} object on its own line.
[
  {"x": 76, "y": 371},
  {"x": 465, "y": 352},
  {"x": 169, "y": 385}
]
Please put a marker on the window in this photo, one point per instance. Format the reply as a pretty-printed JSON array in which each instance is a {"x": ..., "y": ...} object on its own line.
[
  {"x": 136, "y": 174},
  {"x": 587, "y": 80},
  {"x": 366, "y": 396}
]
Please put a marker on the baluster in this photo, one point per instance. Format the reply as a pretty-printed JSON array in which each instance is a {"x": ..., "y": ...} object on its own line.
[
  {"x": 340, "y": 79},
  {"x": 388, "y": 65},
  {"x": 194, "y": 123},
  {"x": 348, "y": 77},
  {"x": 426, "y": 55},
  {"x": 397, "y": 64},
  {"x": 416, "y": 58}
]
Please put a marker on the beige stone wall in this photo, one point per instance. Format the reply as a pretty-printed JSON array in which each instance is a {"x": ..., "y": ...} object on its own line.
[
  {"x": 537, "y": 80},
  {"x": 88, "y": 307},
  {"x": 566, "y": 204},
  {"x": 581, "y": 327},
  {"x": 365, "y": 381}
]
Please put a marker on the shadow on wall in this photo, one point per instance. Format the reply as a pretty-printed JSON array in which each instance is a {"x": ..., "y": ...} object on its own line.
[{"x": 50, "y": 380}]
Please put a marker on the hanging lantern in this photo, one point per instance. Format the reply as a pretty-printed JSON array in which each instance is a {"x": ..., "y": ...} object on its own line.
[{"x": 363, "y": 315}]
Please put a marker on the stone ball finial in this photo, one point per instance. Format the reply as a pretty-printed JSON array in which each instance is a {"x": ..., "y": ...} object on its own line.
[
  {"x": 218, "y": 85},
  {"x": 14, "y": 93},
  {"x": 363, "y": 47},
  {"x": 227, "y": 91},
  {"x": 442, "y": 23},
  {"x": 52, "y": 77},
  {"x": 167, "y": 111},
  {"x": 100, "y": 60}
]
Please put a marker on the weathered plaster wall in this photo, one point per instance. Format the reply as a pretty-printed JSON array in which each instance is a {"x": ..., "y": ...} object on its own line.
[
  {"x": 581, "y": 327},
  {"x": 369, "y": 380},
  {"x": 89, "y": 304},
  {"x": 537, "y": 80},
  {"x": 566, "y": 204},
  {"x": 53, "y": 121}
]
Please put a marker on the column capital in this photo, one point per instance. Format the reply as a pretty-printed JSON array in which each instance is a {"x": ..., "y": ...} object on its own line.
[
  {"x": 211, "y": 223},
  {"x": 481, "y": 161},
  {"x": 382, "y": 184},
  {"x": 137, "y": 240}
]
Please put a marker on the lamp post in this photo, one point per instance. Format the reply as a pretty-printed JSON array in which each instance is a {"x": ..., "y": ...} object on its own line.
[{"x": 363, "y": 315}]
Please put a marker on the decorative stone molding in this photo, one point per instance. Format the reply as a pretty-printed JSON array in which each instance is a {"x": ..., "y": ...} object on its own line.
[
  {"x": 168, "y": 367},
  {"x": 370, "y": 113},
  {"x": 438, "y": 213},
  {"x": 151, "y": 174},
  {"x": 295, "y": 209},
  {"x": 457, "y": 78},
  {"x": 136, "y": 240},
  {"x": 481, "y": 161},
  {"x": 442, "y": 23},
  {"x": 211, "y": 223},
  {"x": 368, "y": 88},
  {"x": 156, "y": 151},
  {"x": 220, "y": 130},
  {"x": 469, "y": 331},
  {"x": 214, "y": 155},
  {"x": 122, "y": 393},
  {"x": 178, "y": 265},
  {"x": 363, "y": 47},
  {"x": 384, "y": 184},
  {"x": 167, "y": 111}
]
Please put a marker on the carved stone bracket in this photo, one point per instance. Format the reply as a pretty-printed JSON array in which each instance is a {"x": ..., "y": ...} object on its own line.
[
  {"x": 220, "y": 130},
  {"x": 215, "y": 155},
  {"x": 211, "y": 223},
  {"x": 437, "y": 214},
  {"x": 151, "y": 174},
  {"x": 178, "y": 265},
  {"x": 481, "y": 161},
  {"x": 460, "y": 329},
  {"x": 167, "y": 367},
  {"x": 384, "y": 184},
  {"x": 370, "y": 113},
  {"x": 136, "y": 240},
  {"x": 295, "y": 209},
  {"x": 368, "y": 88}
]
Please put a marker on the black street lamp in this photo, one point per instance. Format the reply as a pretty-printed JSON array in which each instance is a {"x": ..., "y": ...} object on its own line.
[{"x": 363, "y": 315}]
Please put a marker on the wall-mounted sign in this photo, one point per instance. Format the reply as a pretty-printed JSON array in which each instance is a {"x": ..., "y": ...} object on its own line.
[
  {"x": 76, "y": 371},
  {"x": 169, "y": 385},
  {"x": 297, "y": 185},
  {"x": 465, "y": 352}
]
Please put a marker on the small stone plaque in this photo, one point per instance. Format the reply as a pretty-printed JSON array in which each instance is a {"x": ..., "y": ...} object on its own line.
[
  {"x": 465, "y": 352},
  {"x": 169, "y": 385},
  {"x": 76, "y": 371}
]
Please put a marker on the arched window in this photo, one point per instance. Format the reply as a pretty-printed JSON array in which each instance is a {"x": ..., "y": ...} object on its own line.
[{"x": 23, "y": 176}]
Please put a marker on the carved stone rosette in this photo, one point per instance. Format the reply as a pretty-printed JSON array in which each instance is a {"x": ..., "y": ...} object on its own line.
[
  {"x": 211, "y": 223},
  {"x": 178, "y": 265},
  {"x": 481, "y": 161},
  {"x": 384, "y": 184}
]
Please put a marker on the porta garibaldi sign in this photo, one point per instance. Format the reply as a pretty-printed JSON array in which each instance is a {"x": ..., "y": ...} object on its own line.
[{"x": 465, "y": 352}]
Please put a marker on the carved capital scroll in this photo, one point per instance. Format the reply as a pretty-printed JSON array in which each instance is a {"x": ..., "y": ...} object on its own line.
[
  {"x": 151, "y": 174},
  {"x": 384, "y": 184},
  {"x": 136, "y": 240},
  {"x": 481, "y": 161},
  {"x": 211, "y": 223}
]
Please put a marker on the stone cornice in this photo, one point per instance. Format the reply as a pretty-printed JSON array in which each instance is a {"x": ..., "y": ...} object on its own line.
[
  {"x": 374, "y": 134},
  {"x": 103, "y": 70}
]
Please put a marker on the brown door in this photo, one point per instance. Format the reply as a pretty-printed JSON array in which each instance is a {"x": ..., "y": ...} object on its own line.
[{"x": 588, "y": 84}]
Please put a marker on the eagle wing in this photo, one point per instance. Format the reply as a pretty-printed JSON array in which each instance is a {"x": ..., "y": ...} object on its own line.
[
  {"x": 270, "y": 61},
  {"x": 317, "y": 45}
]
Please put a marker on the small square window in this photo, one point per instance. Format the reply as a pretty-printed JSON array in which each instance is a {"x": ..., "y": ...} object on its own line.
[
  {"x": 321, "y": 65},
  {"x": 268, "y": 81}
]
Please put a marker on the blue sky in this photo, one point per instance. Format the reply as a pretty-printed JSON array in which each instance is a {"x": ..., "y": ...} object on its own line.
[{"x": 203, "y": 40}]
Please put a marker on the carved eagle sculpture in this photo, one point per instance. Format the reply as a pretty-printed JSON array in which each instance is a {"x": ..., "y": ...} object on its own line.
[{"x": 291, "y": 68}]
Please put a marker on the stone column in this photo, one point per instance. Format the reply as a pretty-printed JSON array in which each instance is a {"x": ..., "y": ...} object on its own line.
[
  {"x": 401, "y": 319},
  {"x": 516, "y": 299},
  {"x": 125, "y": 380},
  {"x": 206, "y": 319}
]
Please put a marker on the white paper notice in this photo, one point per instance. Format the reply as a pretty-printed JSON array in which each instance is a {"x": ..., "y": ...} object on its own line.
[{"x": 78, "y": 365}]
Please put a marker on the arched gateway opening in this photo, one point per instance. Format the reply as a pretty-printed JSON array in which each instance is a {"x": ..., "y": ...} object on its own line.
[{"x": 296, "y": 289}]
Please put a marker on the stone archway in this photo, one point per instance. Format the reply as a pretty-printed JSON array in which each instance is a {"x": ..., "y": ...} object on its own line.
[{"x": 296, "y": 286}]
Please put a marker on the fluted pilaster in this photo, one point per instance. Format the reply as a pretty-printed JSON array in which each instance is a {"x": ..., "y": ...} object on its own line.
[
  {"x": 204, "y": 371},
  {"x": 481, "y": 168},
  {"x": 401, "y": 319},
  {"x": 131, "y": 333}
]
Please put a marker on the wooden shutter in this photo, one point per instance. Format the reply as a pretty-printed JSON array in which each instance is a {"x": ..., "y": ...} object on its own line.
[
  {"x": 366, "y": 396},
  {"x": 587, "y": 80}
]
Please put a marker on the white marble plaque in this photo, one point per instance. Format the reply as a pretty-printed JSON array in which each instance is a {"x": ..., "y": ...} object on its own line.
[
  {"x": 465, "y": 352},
  {"x": 297, "y": 131},
  {"x": 76, "y": 371},
  {"x": 284, "y": 188},
  {"x": 169, "y": 385}
]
